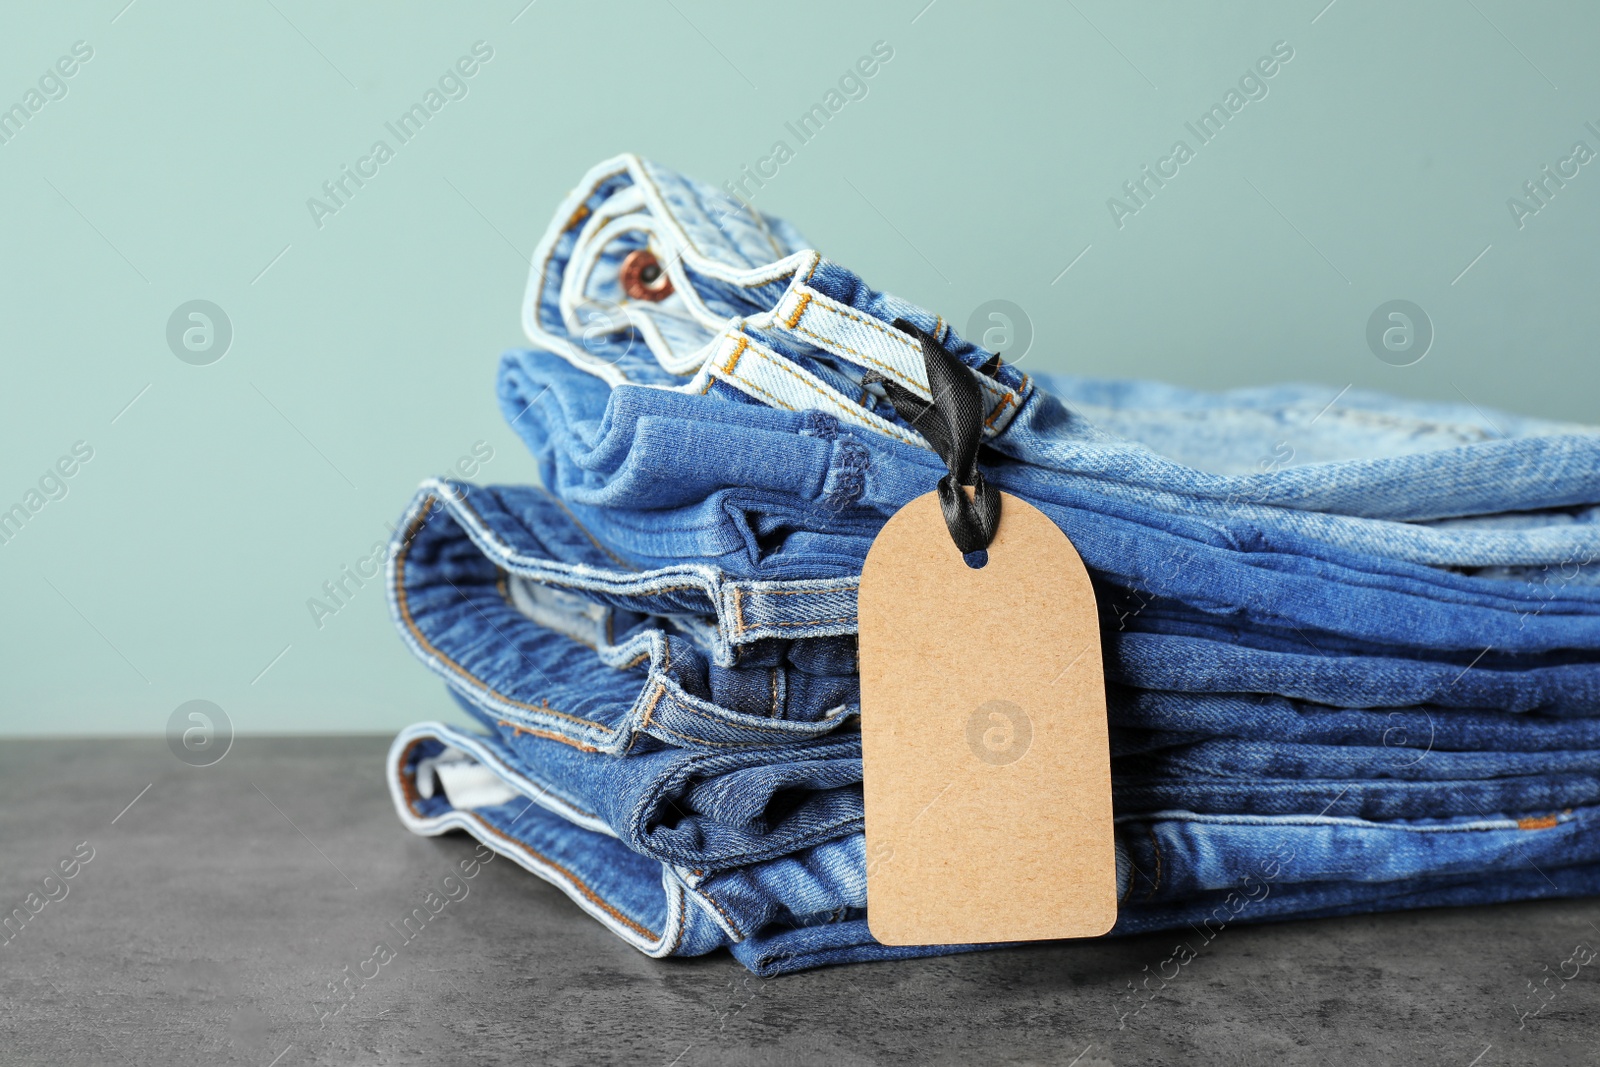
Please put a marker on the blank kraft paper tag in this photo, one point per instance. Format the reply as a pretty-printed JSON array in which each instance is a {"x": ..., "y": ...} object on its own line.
[{"x": 983, "y": 733}]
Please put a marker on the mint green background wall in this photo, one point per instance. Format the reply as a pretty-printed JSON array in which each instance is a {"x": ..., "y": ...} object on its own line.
[{"x": 978, "y": 166}]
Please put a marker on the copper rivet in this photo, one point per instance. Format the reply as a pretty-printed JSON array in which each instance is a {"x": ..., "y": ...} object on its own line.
[{"x": 642, "y": 277}]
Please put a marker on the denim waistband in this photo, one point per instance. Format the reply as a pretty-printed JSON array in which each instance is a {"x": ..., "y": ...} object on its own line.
[
  {"x": 753, "y": 313},
  {"x": 757, "y": 316}
]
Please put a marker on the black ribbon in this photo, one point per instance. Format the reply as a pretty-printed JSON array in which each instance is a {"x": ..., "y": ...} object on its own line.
[{"x": 953, "y": 424}]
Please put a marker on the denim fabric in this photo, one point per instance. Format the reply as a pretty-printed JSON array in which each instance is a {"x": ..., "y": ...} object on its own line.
[
  {"x": 569, "y": 694},
  {"x": 1350, "y": 641},
  {"x": 1151, "y": 719},
  {"x": 806, "y": 908},
  {"x": 663, "y": 478},
  {"x": 746, "y": 282},
  {"x": 472, "y": 566}
]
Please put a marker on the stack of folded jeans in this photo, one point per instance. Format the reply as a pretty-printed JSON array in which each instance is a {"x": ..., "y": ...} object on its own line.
[{"x": 1351, "y": 643}]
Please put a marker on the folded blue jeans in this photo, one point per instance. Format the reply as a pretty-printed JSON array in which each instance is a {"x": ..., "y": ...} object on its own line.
[
  {"x": 754, "y": 316},
  {"x": 1351, "y": 643},
  {"x": 1175, "y": 870},
  {"x": 472, "y": 568},
  {"x": 664, "y": 479},
  {"x": 570, "y": 694}
]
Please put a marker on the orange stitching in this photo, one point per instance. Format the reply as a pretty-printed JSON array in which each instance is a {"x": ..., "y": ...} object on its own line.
[
  {"x": 404, "y": 606},
  {"x": 551, "y": 735},
  {"x": 738, "y": 350},
  {"x": 888, "y": 430},
  {"x": 577, "y": 217},
  {"x": 738, "y": 933},
  {"x": 650, "y": 709},
  {"x": 799, "y": 309},
  {"x": 683, "y": 917},
  {"x": 800, "y": 592},
  {"x": 408, "y": 784},
  {"x": 746, "y": 383},
  {"x": 1005, "y": 401},
  {"x": 576, "y": 882},
  {"x": 1005, "y": 398},
  {"x": 738, "y": 612},
  {"x": 1539, "y": 822},
  {"x": 409, "y": 788},
  {"x": 893, "y": 335},
  {"x": 828, "y": 342}
]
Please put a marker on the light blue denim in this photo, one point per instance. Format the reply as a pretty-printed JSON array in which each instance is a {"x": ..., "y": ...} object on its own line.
[{"x": 1351, "y": 641}]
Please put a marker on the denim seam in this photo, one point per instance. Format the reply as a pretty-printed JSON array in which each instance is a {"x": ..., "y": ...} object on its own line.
[
  {"x": 828, "y": 342},
  {"x": 799, "y": 309},
  {"x": 707, "y": 743},
  {"x": 581, "y": 528},
  {"x": 518, "y": 728},
  {"x": 1488, "y": 825},
  {"x": 408, "y": 787},
  {"x": 747, "y": 383},
  {"x": 683, "y": 920},
  {"x": 738, "y": 932},
  {"x": 544, "y": 267},
  {"x": 1155, "y": 844},
  {"x": 1006, "y": 395},
  {"x": 582, "y": 886},
  {"x": 813, "y": 622},
  {"x": 510, "y": 555},
  {"x": 404, "y": 608},
  {"x": 805, "y": 592},
  {"x": 650, "y": 708},
  {"x": 777, "y": 362},
  {"x": 1005, "y": 402},
  {"x": 460, "y": 499}
]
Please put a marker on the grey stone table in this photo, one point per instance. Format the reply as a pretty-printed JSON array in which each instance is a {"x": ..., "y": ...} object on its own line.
[{"x": 221, "y": 902}]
